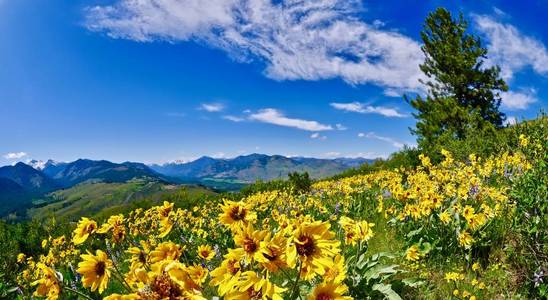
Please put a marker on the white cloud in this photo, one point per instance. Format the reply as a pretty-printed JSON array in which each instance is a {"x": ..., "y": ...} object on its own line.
[
  {"x": 15, "y": 155},
  {"x": 332, "y": 154},
  {"x": 367, "y": 109},
  {"x": 510, "y": 121},
  {"x": 212, "y": 107},
  {"x": 308, "y": 39},
  {"x": 273, "y": 116},
  {"x": 510, "y": 49},
  {"x": 518, "y": 100},
  {"x": 372, "y": 135},
  {"x": 233, "y": 118},
  {"x": 318, "y": 136}
]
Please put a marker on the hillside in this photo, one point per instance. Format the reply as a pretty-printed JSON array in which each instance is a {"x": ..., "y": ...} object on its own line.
[
  {"x": 253, "y": 167},
  {"x": 102, "y": 198}
]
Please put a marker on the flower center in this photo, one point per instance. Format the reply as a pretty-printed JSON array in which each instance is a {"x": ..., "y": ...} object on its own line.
[
  {"x": 249, "y": 245},
  {"x": 237, "y": 213},
  {"x": 305, "y": 245},
  {"x": 324, "y": 296},
  {"x": 100, "y": 268}
]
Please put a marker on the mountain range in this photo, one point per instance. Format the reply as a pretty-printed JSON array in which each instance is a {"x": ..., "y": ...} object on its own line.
[
  {"x": 249, "y": 168},
  {"x": 20, "y": 183}
]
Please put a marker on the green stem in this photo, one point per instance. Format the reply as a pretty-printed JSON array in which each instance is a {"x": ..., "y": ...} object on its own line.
[
  {"x": 78, "y": 293},
  {"x": 121, "y": 277},
  {"x": 296, "y": 283}
]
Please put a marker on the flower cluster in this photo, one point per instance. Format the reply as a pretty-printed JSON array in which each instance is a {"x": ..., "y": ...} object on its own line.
[{"x": 275, "y": 244}]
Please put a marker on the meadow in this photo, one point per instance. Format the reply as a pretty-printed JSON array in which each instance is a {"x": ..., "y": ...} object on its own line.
[{"x": 446, "y": 228}]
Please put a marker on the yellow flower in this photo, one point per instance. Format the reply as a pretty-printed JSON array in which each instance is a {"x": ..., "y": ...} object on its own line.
[
  {"x": 337, "y": 272},
  {"x": 456, "y": 292},
  {"x": 453, "y": 276},
  {"x": 21, "y": 257},
  {"x": 248, "y": 285},
  {"x": 225, "y": 275},
  {"x": 523, "y": 140},
  {"x": 468, "y": 212},
  {"x": 235, "y": 215},
  {"x": 165, "y": 251},
  {"x": 445, "y": 217},
  {"x": 250, "y": 240},
  {"x": 272, "y": 250},
  {"x": 116, "y": 225},
  {"x": 476, "y": 266},
  {"x": 313, "y": 244},
  {"x": 466, "y": 240},
  {"x": 206, "y": 252},
  {"x": 84, "y": 228},
  {"x": 139, "y": 257},
  {"x": 412, "y": 253},
  {"x": 48, "y": 284},
  {"x": 95, "y": 270},
  {"x": 329, "y": 290},
  {"x": 122, "y": 297}
]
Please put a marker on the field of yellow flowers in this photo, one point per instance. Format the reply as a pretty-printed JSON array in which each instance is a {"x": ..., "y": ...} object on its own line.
[{"x": 285, "y": 245}]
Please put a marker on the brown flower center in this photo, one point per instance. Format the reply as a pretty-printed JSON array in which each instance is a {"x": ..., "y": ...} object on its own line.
[
  {"x": 324, "y": 296},
  {"x": 232, "y": 269},
  {"x": 100, "y": 268},
  {"x": 273, "y": 254},
  {"x": 237, "y": 213},
  {"x": 165, "y": 288},
  {"x": 249, "y": 245},
  {"x": 305, "y": 245}
]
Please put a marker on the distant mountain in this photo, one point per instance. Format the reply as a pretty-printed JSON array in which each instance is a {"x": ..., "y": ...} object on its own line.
[
  {"x": 250, "y": 168},
  {"x": 31, "y": 180},
  {"x": 70, "y": 174}
]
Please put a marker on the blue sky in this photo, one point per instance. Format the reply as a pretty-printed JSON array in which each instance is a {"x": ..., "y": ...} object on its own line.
[{"x": 130, "y": 80}]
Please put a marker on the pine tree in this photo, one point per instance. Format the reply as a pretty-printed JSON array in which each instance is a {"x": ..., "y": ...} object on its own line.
[{"x": 461, "y": 92}]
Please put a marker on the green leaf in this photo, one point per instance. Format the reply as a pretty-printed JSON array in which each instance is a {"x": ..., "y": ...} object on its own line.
[{"x": 386, "y": 290}]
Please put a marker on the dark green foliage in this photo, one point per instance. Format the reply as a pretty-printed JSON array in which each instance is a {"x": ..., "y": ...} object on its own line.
[
  {"x": 462, "y": 93},
  {"x": 300, "y": 182},
  {"x": 530, "y": 225}
]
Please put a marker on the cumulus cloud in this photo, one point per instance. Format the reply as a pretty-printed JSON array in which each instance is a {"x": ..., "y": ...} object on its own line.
[
  {"x": 15, "y": 155},
  {"x": 367, "y": 109},
  {"x": 511, "y": 49},
  {"x": 518, "y": 100},
  {"x": 307, "y": 39},
  {"x": 212, "y": 107},
  {"x": 372, "y": 135},
  {"x": 510, "y": 121},
  {"x": 273, "y": 116}
]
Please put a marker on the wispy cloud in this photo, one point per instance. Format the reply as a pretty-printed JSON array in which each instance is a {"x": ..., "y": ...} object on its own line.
[
  {"x": 518, "y": 100},
  {"x": 212, "y": 107},
  {"x": 372, "y": 135},
  {"x": 308, "y": 40},
  {"x": 234, "y": 118},
  {"x": 15, "y": 155},
  {"x": 340, "y": 127},
  {"x": 367, "y": 109},
  {"x": 318, "y": 136},
  {"x": 273, "y": 116},
  {"x": 511, "y": 49}
]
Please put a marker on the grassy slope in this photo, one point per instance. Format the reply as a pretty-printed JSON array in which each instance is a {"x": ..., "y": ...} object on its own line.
[{"x": 104, "y": 199}]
